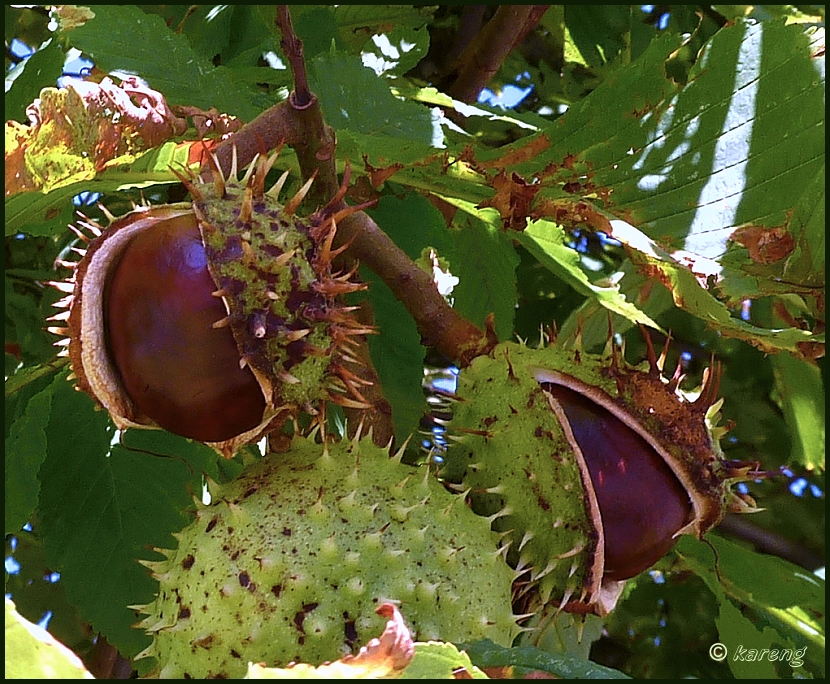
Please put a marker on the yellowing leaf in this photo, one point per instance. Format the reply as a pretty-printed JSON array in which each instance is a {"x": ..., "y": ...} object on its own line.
[{"x": 385, "y": 657}]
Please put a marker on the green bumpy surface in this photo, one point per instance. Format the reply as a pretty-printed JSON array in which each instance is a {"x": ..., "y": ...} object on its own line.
[
  {"x": 291, "y": 559},
  {"x": 515, "y": 458}
]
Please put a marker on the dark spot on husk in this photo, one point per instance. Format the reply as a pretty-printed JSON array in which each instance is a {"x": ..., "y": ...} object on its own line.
[
  {"x": 188, "y": 562},
  {"x": 349, "y": 630},
  {"x": 231, "y": 251},
  {"x": 300, "y": 617}
]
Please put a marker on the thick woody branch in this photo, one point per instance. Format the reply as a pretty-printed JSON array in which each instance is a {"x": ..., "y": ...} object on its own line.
[
  {"x": 292, "y": 48},
  {"x": 439, "y": 325},
  {"x": 485, "y": 55}
]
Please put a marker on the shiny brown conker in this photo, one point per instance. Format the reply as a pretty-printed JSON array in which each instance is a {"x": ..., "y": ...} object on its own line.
[
  {"x": 159, "y": 313},
  {"x": 642, "y": 504}
]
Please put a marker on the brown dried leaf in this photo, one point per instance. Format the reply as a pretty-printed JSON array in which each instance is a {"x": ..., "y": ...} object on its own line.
[
  {"x": 77, "y": 131},
  {"x": 379, "y": 175},
  {"x": 765, "y": 245},
  {"x": 513, "y": 199}
]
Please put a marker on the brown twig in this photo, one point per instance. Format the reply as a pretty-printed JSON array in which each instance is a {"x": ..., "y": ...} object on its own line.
[
  {"x": 439, "y": 325},
  {"x": 739, "y": 526},
  {"x": 292, "y": 48},
  {"x": 482, "y": 59}
]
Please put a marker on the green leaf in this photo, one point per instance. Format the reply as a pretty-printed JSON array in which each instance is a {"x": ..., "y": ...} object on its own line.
[
  {"x": 800, "y": 393},
  {"x": 397, "y": 351},
  {"x": 102, "y": 508},
  {"x": 125, "y": 39},
  {"x": 547, "y": 242},
  {"x": 440, "y": 660},
  {"x": 354, "y": 98},
  {"x": 601, "y": 33},
  {"x": 40, "y": 70},
  {"x": 487, "y": 654},
  {"x": 738, "y": 631},
  {"x": 32, "y": 653},
  {"x": 356, "y": 24},
  {"x": 25, "y": 451},
  {"x": 396, "y": 51},
  {"x": 317, "y": 28},
  {"x": 485, "y": 262},
  {"x": 735, "y": 147},
  {"x": 806, "y": 264},
  {"x": 689, "y": 294},
  {"x": 34, "y": 212},
  {"x": 750, "y": 83},
  {"x": 787, "y": 598}
]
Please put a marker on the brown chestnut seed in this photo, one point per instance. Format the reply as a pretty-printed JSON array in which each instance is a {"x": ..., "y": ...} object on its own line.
[
  {"x": 179, "y": 371},
  {"x": 642, "y": 504}
]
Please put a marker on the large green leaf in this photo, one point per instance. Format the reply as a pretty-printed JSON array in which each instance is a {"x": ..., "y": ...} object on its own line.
[
  {"x": 397, "y": 351},
  {"x": 25, "y": 451},
  {"x": 485, "y": 263},
  {"x": 663, "y": 178},
  {"x": 354, "y": 98},
  {"x": 125, "y": 39},
  {"x": 800, "y": 393},
  {"x": 103, "y": 507}
]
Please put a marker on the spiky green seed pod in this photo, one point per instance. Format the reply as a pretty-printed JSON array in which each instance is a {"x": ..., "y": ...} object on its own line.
[
  {"x": 290, "y": 560},
  {"x": 594, "y": 467},
  {"x": 216, "y": 319}
]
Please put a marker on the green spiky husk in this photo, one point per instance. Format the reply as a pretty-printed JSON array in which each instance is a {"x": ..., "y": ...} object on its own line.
[
  {"x": 511, "y": 451},
  {"x": 290, "y": 560},
  {"x": 520, "y": 467},
  {"x": 269, "y": 299}
]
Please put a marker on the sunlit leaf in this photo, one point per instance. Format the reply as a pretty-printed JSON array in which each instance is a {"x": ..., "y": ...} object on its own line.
[
  {"x": 123, "y": 38},
  {"x": 32, "y": 653},
  {"x": 34, "y": 212}
]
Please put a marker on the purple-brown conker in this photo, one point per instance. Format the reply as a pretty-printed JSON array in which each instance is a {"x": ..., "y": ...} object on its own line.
[{"x": 180, "y": 371}]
